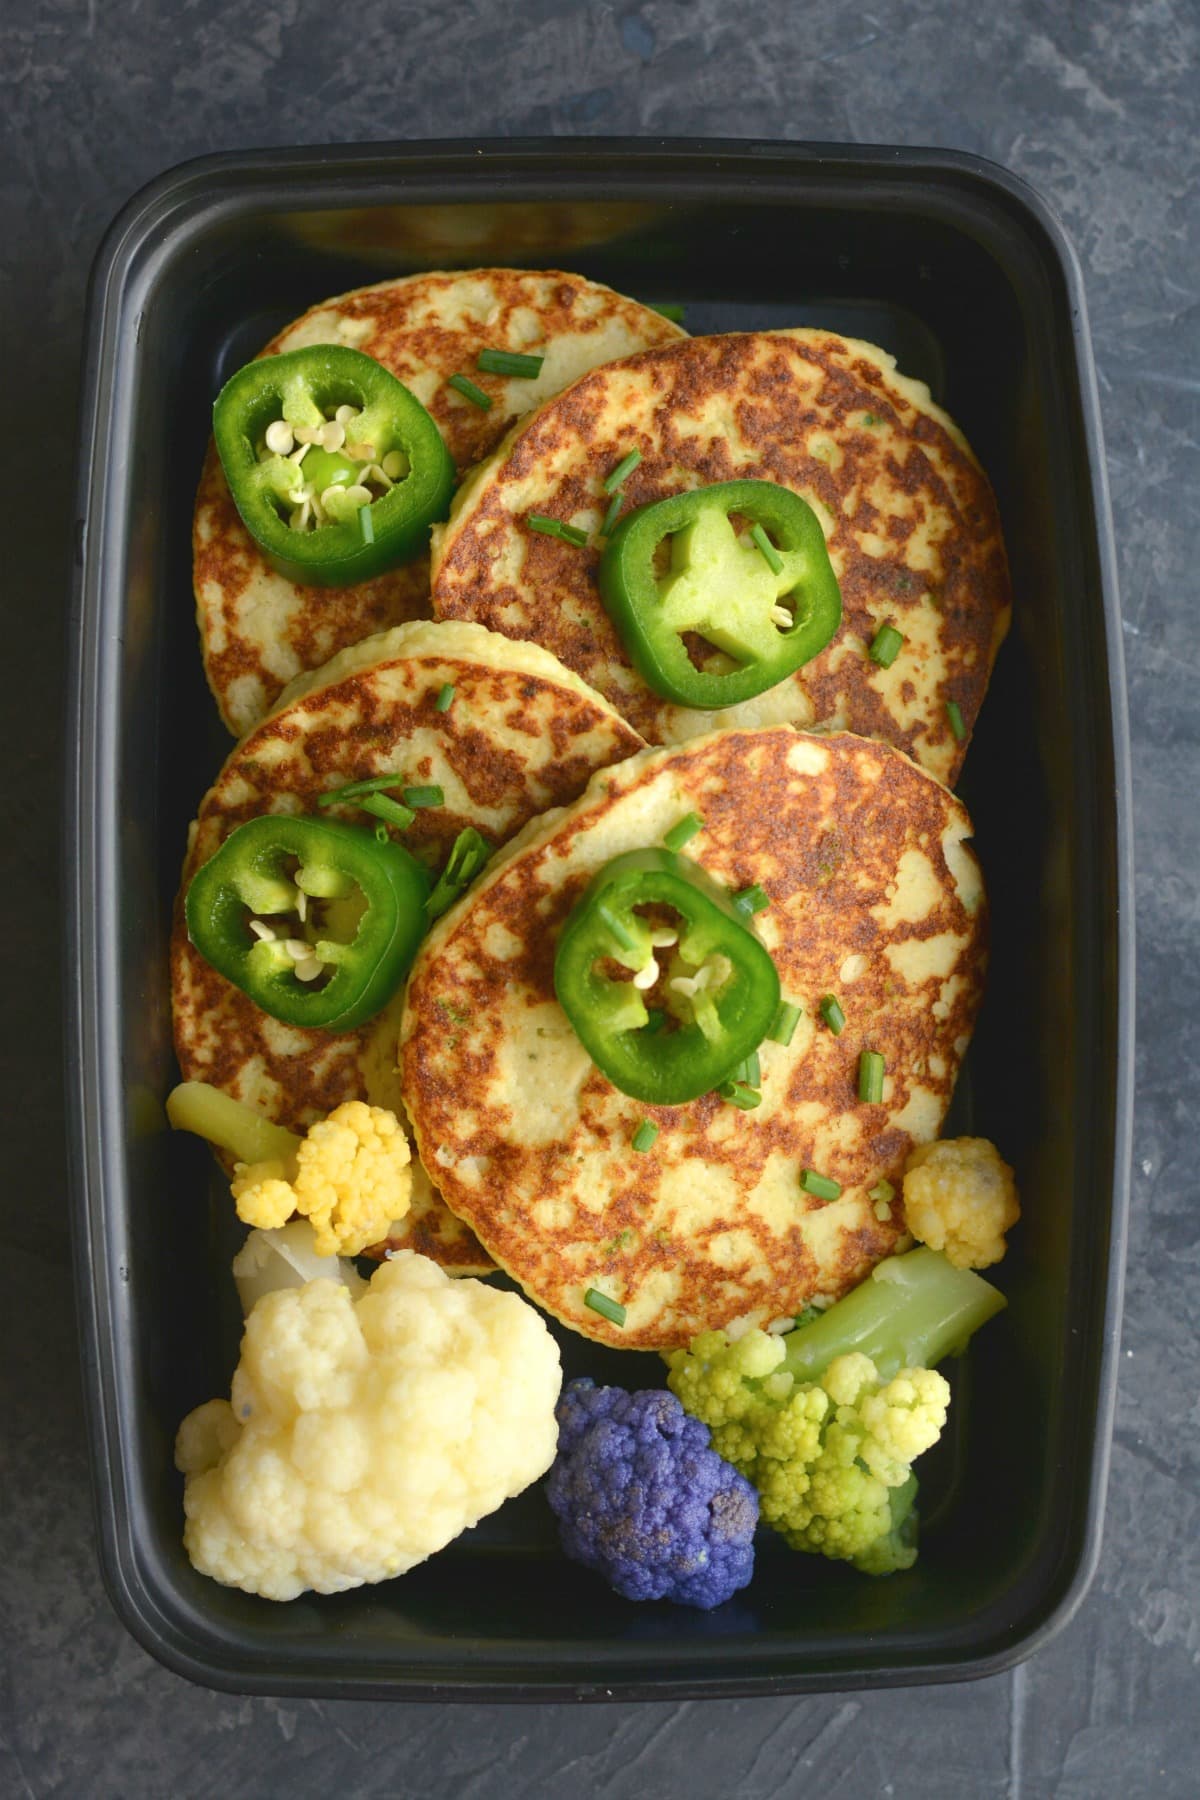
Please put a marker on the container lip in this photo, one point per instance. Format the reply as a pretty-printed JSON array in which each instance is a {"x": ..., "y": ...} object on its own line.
[{"x": 161, "y": 210}]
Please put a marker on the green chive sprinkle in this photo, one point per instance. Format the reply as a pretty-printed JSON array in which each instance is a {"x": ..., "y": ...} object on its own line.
[
  {"x": 371, "y": 785},
  {"x": 670, "y": 309},
  {"x": 509, "y": 362},
  {"x": 645, "y": 1135},
  {"x": 870, "y": 1077},
  {"x": 883, "y": 1193},
  {"x": 570, "y": 534},
  {"x": 954, "y": 714},
  {"x": 821, "y": 1187},
  {"x": 366, "y": 524},
  {"x": 610, "y": 517},
  {"x": 617, "y": 477},
  {"x": 783, "y": 1026},
  {"x": 462, "y": 384},
  {"x": 445, "y": 699},
  {"x": 833, "y": 1015},
  {"x": 684, "y": 832},
  {"x": 382, "y": 835},
  {"x": 751, "y": 900},
  {"x": 467, "y": 857},
  {"x": 770, "y": 554},
  {"x": 886, "y": 646},
  {"x": 608, "y": 1309},
  {"x": 749, "y": 1071},
  {"x": 390, "y": 811},
  {"x": 740, "y": 1094},
  {"x": 424, "y": 796}
]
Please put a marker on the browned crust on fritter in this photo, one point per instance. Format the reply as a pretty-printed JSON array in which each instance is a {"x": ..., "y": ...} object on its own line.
[
  {"x": 282, "y": 767},
  {"x": 826, "y": 848},
  {"x": 776, "y": 391},
  {"x": 226, "y": 560},
  {"x": 386, "y": 321}
]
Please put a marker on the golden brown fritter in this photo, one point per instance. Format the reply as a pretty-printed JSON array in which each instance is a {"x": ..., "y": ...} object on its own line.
[
  {"x": 522, "y": 735},
  {"x": 874, "y": 897},
  {"x": 910, "y": 522},
  {"x": 258, "y": 629}
]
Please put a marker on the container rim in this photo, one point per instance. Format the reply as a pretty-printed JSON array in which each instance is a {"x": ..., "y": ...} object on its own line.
[{"x": 156, "y": 213}]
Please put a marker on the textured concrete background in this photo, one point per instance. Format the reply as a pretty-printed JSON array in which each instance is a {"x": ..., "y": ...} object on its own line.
[{"x": 1095, "y": 103}]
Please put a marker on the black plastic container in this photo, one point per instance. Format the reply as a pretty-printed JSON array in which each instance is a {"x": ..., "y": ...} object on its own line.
[{"x": 957, "y": 268}]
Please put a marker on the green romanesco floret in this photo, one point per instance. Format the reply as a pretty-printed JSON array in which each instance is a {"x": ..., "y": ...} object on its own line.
[{"x": 826, "y": 1422}]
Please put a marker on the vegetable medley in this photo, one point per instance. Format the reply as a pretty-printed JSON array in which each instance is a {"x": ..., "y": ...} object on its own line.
[{"x": 372, "y": 1419}]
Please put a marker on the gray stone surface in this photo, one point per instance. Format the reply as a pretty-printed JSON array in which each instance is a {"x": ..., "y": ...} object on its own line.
[{"x": 1096, "y": 104}]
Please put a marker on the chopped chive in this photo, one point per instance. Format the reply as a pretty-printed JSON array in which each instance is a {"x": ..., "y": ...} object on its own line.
[
  {"x": 783, "y": 1026},
  {"x": 821, "y": 1187},
  {"x": 608, "y": 1309},
  {"x": 382, "y": 835},
  {"x": 770, "y": 554},
  {"x": 883, "y": 1193},
  {"x": 872, "y": 419},
  {"x": 462, "y": 384},
  {"x": 833, "y": 1015},
  {"x": 616, "y": 478},
  {"x": 468, "y": 855},
  {"x": 669, "y": 309},
  {"x": 445, "y": 699},
  {"x": 886, "y": 646},
  {"x": 424, "y": 796},
  {"x": 751, "y": 900},
  {"x": 954, "y": 714},
  {"x": 610, "y": 517},
  {"x": 645, "y": 1135},
  {"x": 390, "y": 811},
  {"x": 366, "y": 525},
  {"x": 748, "y": 1071},
  {"x": 570, "y": 534},
  {"x": 740, "y": 1094},
  {"x": 684, "y": 831},
  {"x": 509, "y": 362},
  {"x": 870, "y": 1077},
  {"x": 372, "y": 784}
]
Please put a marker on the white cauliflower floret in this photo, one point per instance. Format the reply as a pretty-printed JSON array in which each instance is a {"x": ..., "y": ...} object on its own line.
[
  {"x": 960, "y": 1198},
  {"x": 363, "y": 1435},
  {"x": 353, "y": 1178}
]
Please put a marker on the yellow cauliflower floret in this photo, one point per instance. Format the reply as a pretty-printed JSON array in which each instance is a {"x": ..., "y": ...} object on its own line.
[
  {"x": 960, "y": 1198},
  {"x": 264, "y": 1195},
  {"x": 352, "y": 1180},
  {"x": 363, "y": 1435}
]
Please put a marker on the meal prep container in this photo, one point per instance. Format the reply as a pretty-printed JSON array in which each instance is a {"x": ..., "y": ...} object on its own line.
[{"x": 958, "y": 269}]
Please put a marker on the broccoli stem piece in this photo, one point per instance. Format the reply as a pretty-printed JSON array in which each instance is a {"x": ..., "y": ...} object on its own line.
[
  {"x": 198, "y": 1107},
  {"x": 911, "y": 1312}
]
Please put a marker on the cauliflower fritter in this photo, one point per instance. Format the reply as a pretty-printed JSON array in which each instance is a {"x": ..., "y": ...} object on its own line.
[
  {"x": 960, "y": 1198},
  {"x": 362, "y": 1435}
]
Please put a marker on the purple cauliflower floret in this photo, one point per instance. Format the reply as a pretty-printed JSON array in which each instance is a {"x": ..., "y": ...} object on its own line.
[{"x": 641, "y": 1498}]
